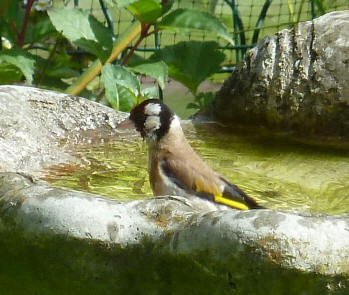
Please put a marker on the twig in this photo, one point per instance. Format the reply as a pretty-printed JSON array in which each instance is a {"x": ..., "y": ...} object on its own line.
[
  {"x": 14, "y": 28},
  {"x": 144, "y": 34},
  {"x": 48, "y": 61},
  {"x": 152, "y": 32},
  {"x": 25, "y": 23}
]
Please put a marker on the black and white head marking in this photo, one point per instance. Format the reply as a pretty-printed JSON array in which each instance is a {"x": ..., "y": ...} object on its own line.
[{"x": 152, "y": 119}]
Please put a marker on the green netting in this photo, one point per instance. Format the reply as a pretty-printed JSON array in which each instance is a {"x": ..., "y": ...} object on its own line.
[{"x": 247, "y": 20}]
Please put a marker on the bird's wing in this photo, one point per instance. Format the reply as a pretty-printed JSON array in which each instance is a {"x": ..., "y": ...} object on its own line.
[
  {"x": 205, "y": 183},
  {"x": 232, "y": 193},
  {"x": 189, "y": 178}
]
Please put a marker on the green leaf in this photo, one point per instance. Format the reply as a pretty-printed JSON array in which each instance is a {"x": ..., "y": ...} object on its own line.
[
  {"x": 127, "y": 99},
  {"x": 125, "y": 78},
  {"x": 207, "y": 98},
  {"x": 191, "y": 62},
  {"x": 40, "y": 31},
  {"x": 320, "y": 6},
  {"x": 182, "y": 20},
  {"x": 167, "y": 7},
  {"x": 62, "y": 72},
  {"x": 83, "y": 30},
  {"x": 192, "y": 105},
  {"x": 52, "y": 83},
  {"x": 111, "y": 89},
  {"x": 125, "y": 3},
  {"x": 58, "y": 66},
  {"x": 116, "y": 80},
  {"x": 202, "y": 100},
  {"x": 147, "y": 11},
  {"x": 9, "y": 73},
  {"x": 157, "y": 70},
  {"x": 11, "y": 11},
  {"x": 150, "y": 92},
  {"x": 23, "y": 60},
  {"x": 135, "y": 60}
]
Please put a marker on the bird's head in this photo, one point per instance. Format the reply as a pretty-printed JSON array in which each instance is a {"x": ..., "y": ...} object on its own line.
[{"x": 152, "y": 118}]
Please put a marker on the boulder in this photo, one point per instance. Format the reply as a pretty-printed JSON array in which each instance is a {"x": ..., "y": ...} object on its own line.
[
  {"x": 294, "y": 80},
  {"x": 39, "y": 127}
]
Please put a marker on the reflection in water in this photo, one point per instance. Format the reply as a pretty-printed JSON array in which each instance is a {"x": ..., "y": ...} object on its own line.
[{"x": 279, "y": 173}]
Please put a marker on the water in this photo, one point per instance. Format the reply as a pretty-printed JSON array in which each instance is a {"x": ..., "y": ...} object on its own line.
[{"x": 278, "y": 172}]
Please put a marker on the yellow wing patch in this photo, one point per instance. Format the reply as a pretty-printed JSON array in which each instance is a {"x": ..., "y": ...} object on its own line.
[
  {"x": 206, "y": 188},
  {"x": 219, "y": 198},
  {"x": 230, "y": 203}
]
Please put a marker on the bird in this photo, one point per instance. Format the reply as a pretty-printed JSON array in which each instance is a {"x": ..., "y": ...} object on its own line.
[{"x": 173, "y": 165}]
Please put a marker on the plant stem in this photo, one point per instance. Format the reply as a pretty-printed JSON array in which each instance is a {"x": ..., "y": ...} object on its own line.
[
  {"x": 152, "y": 32},
  {"x": 300, "y": 11},
  {"x": 144, "y": 34},
  {"x": 25, "y": 23},
  {"x": 121, "y": 44},
  {"x": 48, "y": 61},
  {"x": 132, "y": 50},
  {"x": 85, "y": 78},
  {"x": 14, "y": 28},
  {"x": 125, "y": 39}
]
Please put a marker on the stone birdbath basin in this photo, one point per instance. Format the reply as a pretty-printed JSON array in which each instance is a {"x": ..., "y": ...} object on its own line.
[{"x": 61, "y": 241}]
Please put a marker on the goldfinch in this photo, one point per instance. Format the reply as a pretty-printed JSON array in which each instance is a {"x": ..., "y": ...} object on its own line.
[{"x": 174, "y": 167}]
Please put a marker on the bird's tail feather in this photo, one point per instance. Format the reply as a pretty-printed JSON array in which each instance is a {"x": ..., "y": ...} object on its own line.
[{"x": 233, "y": 196}]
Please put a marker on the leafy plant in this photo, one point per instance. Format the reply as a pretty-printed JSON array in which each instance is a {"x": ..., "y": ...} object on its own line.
[
  {"x": 202, "y": 100},
  {"x": 188, "y": 62},
  {"x": 29, "y": 46},
  {"x": 20, "y": 59},
  {"x": 191, "y": 62}
]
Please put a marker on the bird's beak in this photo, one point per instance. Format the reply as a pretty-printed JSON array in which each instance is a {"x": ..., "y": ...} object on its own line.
[{"x": 126, "y": 124}]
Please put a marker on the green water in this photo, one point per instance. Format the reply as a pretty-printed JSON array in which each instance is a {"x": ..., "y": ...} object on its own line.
[{"x": 279, "y": 173}]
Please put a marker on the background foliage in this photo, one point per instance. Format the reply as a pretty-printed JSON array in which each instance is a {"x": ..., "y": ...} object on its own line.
[{"x": 79, "y": 51}]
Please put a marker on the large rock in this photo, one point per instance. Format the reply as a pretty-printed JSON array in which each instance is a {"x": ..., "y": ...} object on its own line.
[
  {"x": 38, "y": 127},
  {"x": 296, "y": 80},
  {"x": 56, "y": 241}
]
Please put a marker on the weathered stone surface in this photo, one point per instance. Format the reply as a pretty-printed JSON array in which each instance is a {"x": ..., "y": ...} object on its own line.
[
  {"x": 37, "y": 127},
  {"x": 168, "y": 239},
  {"x": 295, "y": 80},
  {"x": 67, "y": 242}
]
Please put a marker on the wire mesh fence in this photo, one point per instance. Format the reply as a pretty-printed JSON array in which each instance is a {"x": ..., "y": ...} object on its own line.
[
  {"x": 247, "y": 20},
  {"x": 57, "y": 60}
]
